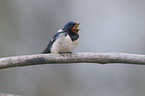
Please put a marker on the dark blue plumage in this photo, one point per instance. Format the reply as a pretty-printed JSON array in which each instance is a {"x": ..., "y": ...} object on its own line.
[
  {"x": 64, "y": 40},
  {"x": 69, "y": 26},
  {"x": 47, "y": 50}
]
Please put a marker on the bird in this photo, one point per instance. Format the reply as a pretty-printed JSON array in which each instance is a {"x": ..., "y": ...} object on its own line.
[{"x": 65, "y": 40}]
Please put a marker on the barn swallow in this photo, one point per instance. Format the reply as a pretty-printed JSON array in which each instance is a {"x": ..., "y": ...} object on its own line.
[{"x": 65, "y": 40}]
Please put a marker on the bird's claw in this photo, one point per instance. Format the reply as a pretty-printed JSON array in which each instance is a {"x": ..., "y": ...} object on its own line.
[{"x": 62, "y": 53}]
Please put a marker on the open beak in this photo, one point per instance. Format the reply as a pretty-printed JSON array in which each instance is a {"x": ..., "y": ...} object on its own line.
[{"x": 77, "y": 28}]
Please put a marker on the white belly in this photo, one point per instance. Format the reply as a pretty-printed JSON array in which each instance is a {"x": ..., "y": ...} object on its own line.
[{"x": 64, "y": 44}]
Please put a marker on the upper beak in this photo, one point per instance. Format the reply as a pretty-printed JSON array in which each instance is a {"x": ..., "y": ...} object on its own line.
[{"x": 78, "y": 24}]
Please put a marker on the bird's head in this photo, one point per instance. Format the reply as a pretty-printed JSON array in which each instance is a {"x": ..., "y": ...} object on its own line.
[{"x": 71, "y": 26}]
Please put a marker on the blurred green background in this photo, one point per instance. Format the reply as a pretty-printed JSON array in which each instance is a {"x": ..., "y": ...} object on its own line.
[{"x": 26, "y": 26}]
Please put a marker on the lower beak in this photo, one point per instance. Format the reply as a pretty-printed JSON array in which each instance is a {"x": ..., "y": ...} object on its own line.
[{"x": 78, "y": 27}]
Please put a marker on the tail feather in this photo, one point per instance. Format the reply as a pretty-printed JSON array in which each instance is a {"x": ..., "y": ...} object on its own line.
[{"x": 47, "y": 50}]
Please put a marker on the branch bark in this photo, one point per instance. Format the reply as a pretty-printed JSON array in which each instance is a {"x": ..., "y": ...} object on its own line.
[
  {"x": 102, "y": 58},
  {"x": 3, "y": 94}
]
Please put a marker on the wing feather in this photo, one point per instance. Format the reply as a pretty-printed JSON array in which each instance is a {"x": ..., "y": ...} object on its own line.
[{"x": 48, "y": 49}]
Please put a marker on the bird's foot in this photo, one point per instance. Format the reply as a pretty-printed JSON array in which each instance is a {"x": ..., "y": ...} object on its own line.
[
  {"x": 70, "y": 53},
  {"x": 62, "y": 53}
]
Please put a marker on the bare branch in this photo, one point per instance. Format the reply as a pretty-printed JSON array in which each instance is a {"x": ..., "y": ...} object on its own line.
[
  {"x": 101, "y": 58},
  {"x": 3, "y": 94}
]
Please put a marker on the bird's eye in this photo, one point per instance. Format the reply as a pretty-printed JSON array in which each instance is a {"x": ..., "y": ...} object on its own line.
[{"x": 71, "y": 25}]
